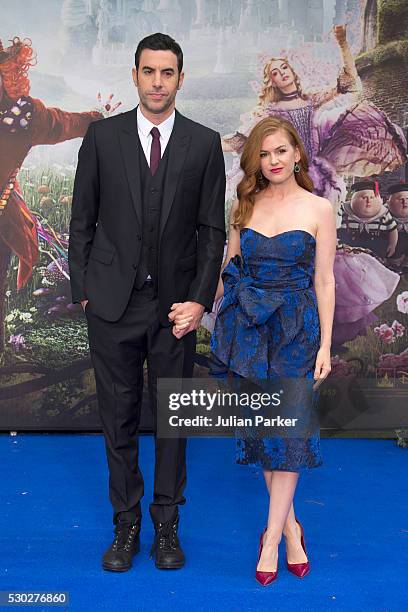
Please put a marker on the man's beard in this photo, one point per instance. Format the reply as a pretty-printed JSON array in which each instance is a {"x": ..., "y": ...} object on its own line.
[{"x": 167, "y": 102}]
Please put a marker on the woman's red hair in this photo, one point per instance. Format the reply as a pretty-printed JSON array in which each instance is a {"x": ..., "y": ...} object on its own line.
[{"x": 253, "y": 180}]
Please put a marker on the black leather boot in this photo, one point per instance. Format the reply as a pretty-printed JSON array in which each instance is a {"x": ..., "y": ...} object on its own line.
[
  {"x": 166, "y": 546},
  {"x": 118, "y": 557}
]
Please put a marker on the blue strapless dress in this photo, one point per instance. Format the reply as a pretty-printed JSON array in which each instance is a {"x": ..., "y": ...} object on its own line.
[{"x": 268, "y": 328}]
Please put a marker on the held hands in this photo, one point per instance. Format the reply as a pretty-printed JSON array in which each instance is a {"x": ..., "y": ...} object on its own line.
[
  {"x": 186, "y": 317},
  {"x": 323, "y": 366},
  {"x": 83, "y": 304}
]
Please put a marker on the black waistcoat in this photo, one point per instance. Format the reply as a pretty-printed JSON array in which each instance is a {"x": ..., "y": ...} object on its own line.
[{"x": 152, "y": 196}]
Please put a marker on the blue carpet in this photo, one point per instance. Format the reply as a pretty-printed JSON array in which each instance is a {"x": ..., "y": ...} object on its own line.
[{"x": 56, "y": 523}]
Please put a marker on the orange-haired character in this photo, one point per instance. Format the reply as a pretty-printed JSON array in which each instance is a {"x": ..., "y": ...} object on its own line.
[{"x": 25, "y": 122}]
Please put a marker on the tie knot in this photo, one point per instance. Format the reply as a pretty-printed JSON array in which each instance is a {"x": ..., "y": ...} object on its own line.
[{"x": 155, "y": 133}]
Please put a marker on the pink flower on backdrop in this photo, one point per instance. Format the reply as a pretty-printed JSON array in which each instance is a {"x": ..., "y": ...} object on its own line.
[
  {"x": 398, "y": 328},
  {"x": 390, "y": 360},
  {"x": 385, "y": 333},
  {"x": 17, "y": 341},
  {"x": 340, "y": 367},
  {"x": 402, "y": 302}
]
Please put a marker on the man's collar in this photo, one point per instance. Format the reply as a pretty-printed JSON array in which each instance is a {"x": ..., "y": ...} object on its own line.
[{"x": 145, "y": 125}]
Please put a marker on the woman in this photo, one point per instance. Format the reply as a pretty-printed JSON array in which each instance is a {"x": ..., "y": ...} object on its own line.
[
  {"x": 272, "y": 323},
  {"x": 340, "y": 137}
]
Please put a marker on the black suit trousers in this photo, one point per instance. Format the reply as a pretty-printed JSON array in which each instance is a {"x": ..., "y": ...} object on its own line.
[{"x": 118, "y": 351}]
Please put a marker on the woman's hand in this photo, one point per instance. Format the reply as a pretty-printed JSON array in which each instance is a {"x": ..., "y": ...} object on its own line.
[{"x": 323, "y": 366}]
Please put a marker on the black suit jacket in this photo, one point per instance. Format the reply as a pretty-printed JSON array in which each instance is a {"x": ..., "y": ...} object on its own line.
[{"x": 106, "y": 223}]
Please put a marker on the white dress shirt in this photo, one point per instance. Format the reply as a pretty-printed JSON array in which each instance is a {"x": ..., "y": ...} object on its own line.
[{"x": 144, "y": 127}]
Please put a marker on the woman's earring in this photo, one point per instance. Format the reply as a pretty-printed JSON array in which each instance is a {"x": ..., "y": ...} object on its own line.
[{"x": 297, "y": 167}]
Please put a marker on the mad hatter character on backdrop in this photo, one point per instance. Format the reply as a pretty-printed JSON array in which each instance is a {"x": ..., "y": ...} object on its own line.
[{"x": 24, "y": 123}]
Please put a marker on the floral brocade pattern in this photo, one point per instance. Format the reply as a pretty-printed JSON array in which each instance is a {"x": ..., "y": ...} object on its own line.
[{"x": 268, "y": 327}]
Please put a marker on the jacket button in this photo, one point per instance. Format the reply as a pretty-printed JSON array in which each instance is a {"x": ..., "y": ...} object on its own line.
[{"x": 135, "y": 266}]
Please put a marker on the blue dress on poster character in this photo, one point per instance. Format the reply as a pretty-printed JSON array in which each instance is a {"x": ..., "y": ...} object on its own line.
[{"x": 268, "y": 327}]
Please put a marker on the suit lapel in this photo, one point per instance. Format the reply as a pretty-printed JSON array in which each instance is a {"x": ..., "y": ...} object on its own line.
[
  {"x": 129, "y": 145},
  {"x": 178, "y": 146}
]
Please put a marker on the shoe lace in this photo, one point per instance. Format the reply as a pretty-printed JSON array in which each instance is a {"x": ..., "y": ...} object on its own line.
[{"x": 125, "y": 534}]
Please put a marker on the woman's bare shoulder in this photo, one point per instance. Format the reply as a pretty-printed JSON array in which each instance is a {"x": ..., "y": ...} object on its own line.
[{"x": 318, "y": 203}]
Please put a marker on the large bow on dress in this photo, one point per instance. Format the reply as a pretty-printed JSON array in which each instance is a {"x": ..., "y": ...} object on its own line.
[
  {"x": 257, "y": 303},
  {"x": 242, "y": 333}
]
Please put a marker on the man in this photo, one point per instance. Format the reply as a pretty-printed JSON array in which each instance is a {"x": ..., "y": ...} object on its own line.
[{"x": 146, "y": 243}]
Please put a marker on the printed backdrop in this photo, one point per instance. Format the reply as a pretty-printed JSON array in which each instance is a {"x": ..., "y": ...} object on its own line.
[{"x": 62, "y": 61}]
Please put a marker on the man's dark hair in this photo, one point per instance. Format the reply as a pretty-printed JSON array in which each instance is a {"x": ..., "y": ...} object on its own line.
[{"x": 159, "y": 42}]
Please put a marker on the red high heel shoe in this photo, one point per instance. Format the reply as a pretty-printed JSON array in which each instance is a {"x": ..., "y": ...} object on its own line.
[
  {"x": 264, "y": 578},
  {"x": 299, "y": 569}
]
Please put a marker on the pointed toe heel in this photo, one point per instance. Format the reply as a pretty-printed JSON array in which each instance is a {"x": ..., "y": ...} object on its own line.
[
  {"x": 299, "y": 569},
  {"x": 264, "y": 578}
]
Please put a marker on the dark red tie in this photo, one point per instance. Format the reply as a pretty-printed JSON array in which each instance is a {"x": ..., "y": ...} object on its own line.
[{"x": 155, "y": 151}]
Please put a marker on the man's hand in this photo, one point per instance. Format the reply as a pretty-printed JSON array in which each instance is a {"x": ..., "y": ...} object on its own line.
[
  {"x": 83, "y": 304},
  {"x": 186, "y": 317}
]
